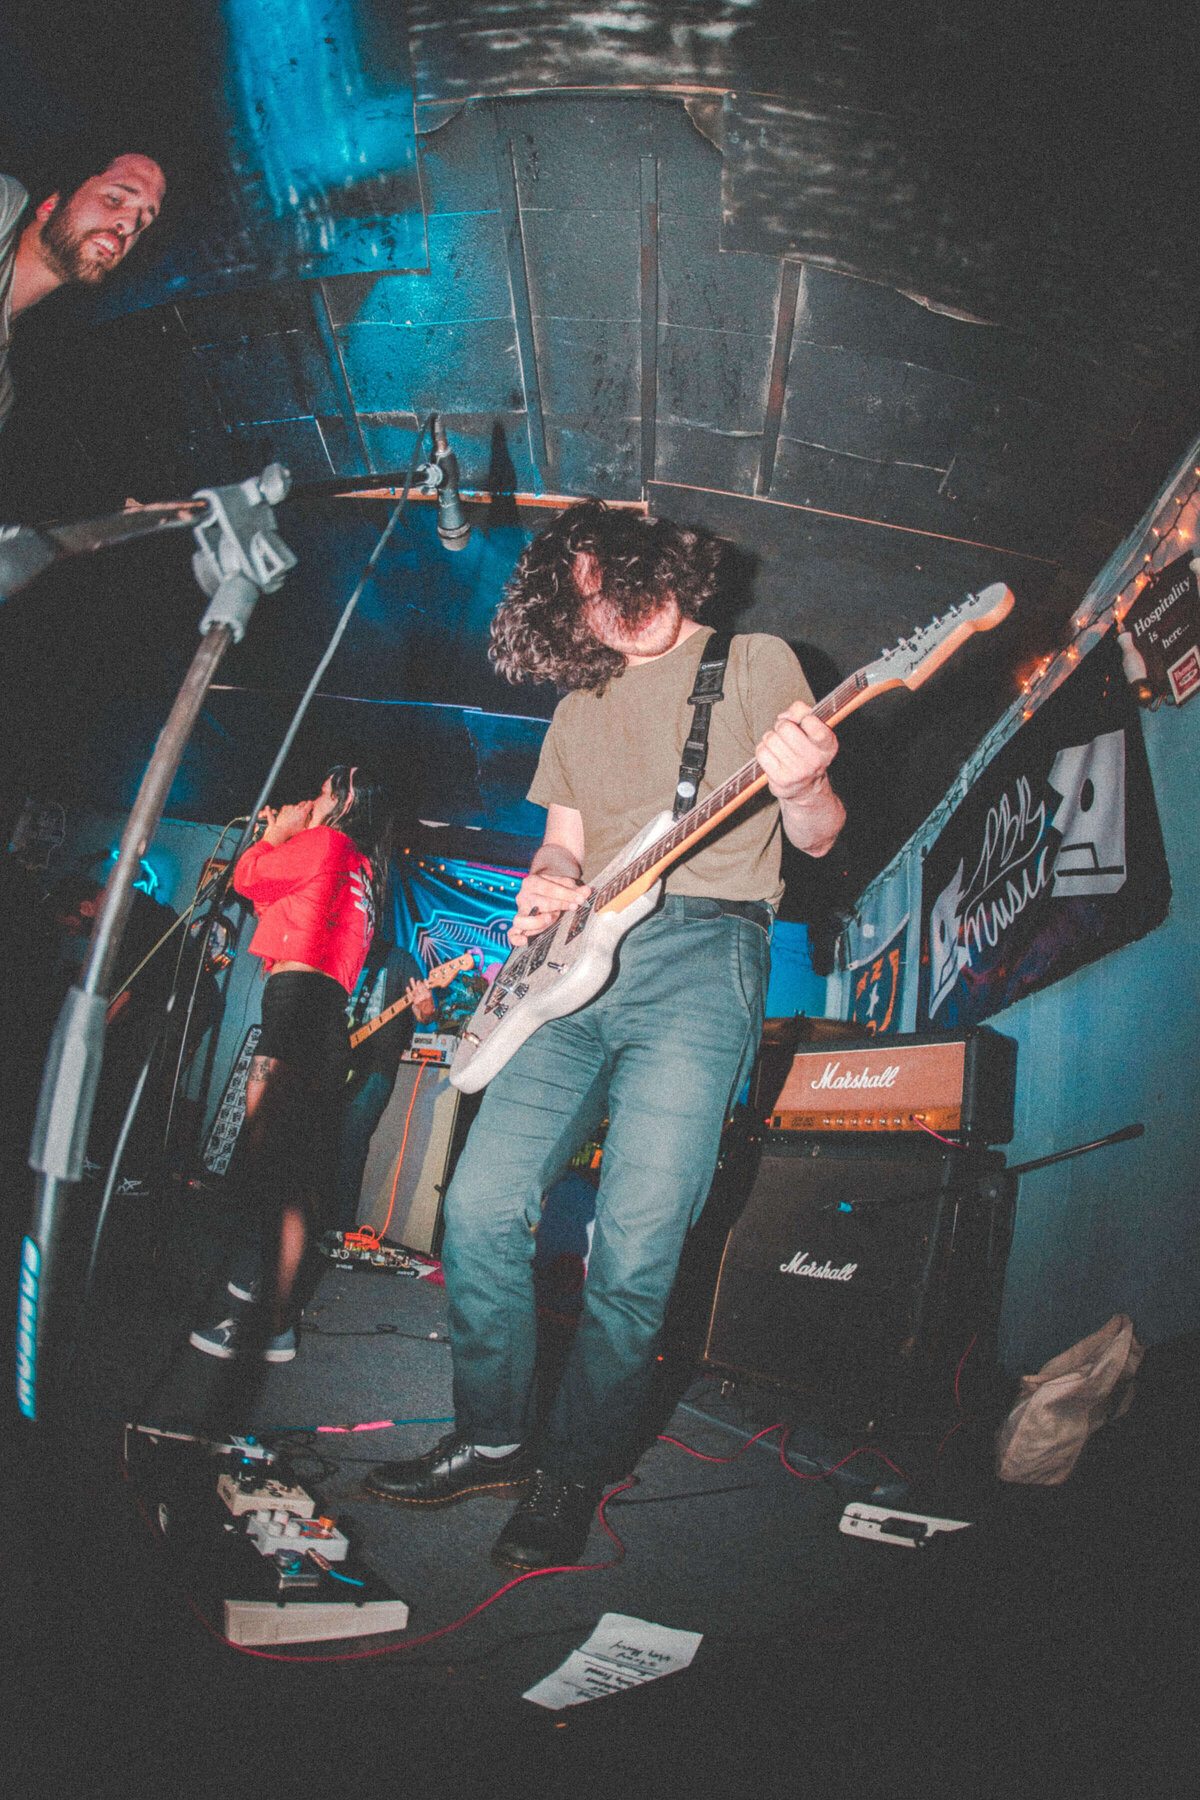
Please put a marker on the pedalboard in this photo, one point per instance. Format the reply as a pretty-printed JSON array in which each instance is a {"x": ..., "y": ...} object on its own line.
[
  {"x": 362, "y": 1249},
  {"x": 256, "y": 1549}
]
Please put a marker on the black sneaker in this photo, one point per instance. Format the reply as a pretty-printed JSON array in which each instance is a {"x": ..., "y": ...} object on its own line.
[
  {"x": 227, "y": 1340},
  {"x": 550, "y": 1527},
  {"x": 452, "y": 1470}
]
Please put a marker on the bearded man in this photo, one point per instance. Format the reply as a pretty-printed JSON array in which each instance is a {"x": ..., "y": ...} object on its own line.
[
  {"x": 607, "y": 605},
  {"x": 81, "y": 237}
]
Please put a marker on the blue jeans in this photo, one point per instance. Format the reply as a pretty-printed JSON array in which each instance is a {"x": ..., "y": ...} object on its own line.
[{"x": 662, "y": 1052}]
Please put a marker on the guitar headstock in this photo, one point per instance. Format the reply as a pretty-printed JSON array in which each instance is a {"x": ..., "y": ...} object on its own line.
[
  {"x": 445, "y": 973},
  {"x": 914, "y": 659}
]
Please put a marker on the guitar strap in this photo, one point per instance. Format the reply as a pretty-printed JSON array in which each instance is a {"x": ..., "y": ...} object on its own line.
[{"x": 709, "y": 688}]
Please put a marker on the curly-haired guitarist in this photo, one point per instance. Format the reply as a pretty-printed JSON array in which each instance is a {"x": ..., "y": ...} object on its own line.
[{"x": 607, "y": 604}]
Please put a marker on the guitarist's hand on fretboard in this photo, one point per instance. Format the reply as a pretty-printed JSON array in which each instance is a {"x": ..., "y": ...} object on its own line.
[
  {"x": 795, "y": 755},
  {"x": 419, "y": 995}
]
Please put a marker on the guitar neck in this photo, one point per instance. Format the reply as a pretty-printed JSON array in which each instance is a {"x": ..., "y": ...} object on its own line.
[
  {"x": 377, "y": 1024},
  {"x": 633, "y": 880}
]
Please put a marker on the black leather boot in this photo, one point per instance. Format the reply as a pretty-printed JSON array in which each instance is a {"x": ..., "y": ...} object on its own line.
[
  {"x": 550, "y": 1527},
  {"x": 452, "y": 1470}
]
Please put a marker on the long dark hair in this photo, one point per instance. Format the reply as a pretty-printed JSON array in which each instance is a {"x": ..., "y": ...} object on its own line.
[
  {"x": 365, "y": 815},
  {"x": 538, "y": 630}
]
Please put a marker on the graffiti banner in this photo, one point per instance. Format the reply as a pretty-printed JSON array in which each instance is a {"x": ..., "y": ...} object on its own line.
[
  {"x": 1054, "y": 858},
  {"x": 446, "y": 907}
]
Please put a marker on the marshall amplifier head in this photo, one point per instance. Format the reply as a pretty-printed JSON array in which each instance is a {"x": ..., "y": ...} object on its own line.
[{"x": 960, "y": 1083}]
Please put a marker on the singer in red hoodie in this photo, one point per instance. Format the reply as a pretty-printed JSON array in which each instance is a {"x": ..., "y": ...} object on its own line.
[{"x": 315, "y": 878}]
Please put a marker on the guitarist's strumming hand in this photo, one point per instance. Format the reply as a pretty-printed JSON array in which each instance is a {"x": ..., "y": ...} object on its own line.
[
  {"x": 552, "y": 886},
  {"x": 795, "y": 755}
]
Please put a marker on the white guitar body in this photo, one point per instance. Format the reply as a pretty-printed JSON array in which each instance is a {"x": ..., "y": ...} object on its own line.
[{"x": 555, "y": 973}]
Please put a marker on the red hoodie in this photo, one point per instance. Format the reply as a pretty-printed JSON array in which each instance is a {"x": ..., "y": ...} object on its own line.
[{"x": 313, "y": 900}]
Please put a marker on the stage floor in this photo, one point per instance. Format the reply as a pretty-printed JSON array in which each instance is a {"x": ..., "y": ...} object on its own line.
[{"x": 1050, "y": 1641}]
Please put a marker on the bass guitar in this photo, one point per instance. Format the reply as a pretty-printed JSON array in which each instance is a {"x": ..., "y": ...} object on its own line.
[
  {"x": 442, "y": 976},
  {"x": 561, "y": 969}
]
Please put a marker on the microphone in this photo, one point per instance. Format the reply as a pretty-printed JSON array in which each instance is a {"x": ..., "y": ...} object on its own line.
[{"x": 453, "y": 525}]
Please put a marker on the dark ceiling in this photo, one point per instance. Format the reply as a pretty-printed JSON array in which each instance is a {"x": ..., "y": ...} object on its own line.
[{"x": 900, "y": 301}]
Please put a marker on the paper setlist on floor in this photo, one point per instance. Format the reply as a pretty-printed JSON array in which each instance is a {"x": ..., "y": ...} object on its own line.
[{"x": 621, "y": 1653}]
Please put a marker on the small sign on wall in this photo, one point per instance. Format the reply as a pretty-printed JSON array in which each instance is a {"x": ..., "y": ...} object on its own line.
[{"x": 1162, "y": 628}]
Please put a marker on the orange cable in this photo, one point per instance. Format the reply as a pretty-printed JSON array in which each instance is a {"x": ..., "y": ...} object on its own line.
[{"x": 400, "y": 1159}]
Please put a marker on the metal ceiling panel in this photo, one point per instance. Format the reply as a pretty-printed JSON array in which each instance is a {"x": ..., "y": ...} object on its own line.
[
  {"x": 699, "y": 457},
  {"x": 859, "y": 487},
  {"x": 465, "y": 281},
  {"x": 713, "y": 379},
  {"x": 300, "y": 444},
  {"x": 589, "y": 462},
  {"x": 583, "y": 264},
  {"x": 422, "y": 368},
  {"x": 889, "y": 411},
  {"x": 278, "y": 370},
  {"x": 1025, "y": 199},
  {"x": 589, "y": 374},
  {"x": 458, "y": 173},
  {"x": 704, "y": 289},
  {"x": 506, "y": 46}
]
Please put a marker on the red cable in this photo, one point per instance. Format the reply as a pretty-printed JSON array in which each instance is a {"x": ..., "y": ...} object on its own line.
[
  {"x": 962, "y": 1359},
  {"x": 781, "y": 1425},
  {"x": 863, "y": 1450},
  {"x": 702, "y": 1457},
  {"x": 953, "y": 1142},
  {"x": 937, "y": 1453}
]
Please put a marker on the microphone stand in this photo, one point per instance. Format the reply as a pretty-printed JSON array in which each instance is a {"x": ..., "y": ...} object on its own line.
[
  {"x": 1056, "y": 1156},
  {"x": 240, "y": 555}
]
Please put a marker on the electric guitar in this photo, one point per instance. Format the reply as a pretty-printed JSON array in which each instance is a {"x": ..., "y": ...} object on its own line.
[
  {"x": 561, "y": 969},
  {"x": 442, "y": 976}
]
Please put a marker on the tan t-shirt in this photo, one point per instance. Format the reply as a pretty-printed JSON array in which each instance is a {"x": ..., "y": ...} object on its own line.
[{"x": 614, "y": 758}]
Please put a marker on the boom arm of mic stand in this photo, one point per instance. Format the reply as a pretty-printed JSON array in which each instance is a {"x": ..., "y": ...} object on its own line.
[
  {"x": 1043, "y": 1162},
  {"x": 239, "y": 555},
  {"x": 26, "y": 550}
]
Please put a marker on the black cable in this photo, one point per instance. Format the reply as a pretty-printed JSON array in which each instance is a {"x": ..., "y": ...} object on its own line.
[{"x": 380, "y": 1330}]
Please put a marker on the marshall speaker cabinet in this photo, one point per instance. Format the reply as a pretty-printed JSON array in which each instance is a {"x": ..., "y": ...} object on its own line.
[{"x": 868, "y": 1255}]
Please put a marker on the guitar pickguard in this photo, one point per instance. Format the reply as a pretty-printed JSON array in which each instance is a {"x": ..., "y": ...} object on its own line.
[{"x": 556, "y": 973}]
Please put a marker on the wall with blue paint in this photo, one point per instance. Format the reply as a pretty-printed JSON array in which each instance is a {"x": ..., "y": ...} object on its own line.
[{"x": 1117, "y": 1230}]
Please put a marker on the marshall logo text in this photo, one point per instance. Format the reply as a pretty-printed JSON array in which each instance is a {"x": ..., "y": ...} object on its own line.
[
  {"x": 817, "y": 1271},
  {"x": 863, "y": 1079}
]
